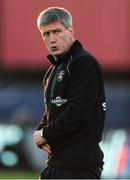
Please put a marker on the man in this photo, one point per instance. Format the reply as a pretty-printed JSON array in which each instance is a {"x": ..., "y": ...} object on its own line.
[{"x": 73, "y": 121}]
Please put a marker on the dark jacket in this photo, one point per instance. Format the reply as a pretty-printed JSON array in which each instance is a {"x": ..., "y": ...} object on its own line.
[{"x": 75, "y": 110}]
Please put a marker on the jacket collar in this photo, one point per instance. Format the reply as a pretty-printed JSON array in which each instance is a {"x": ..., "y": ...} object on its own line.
[{"x": 75, "y": 48}]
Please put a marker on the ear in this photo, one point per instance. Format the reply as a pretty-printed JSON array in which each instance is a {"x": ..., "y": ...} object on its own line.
[{"x": 71, "y": 30}]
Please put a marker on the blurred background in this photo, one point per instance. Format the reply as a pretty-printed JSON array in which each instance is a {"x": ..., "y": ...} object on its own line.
[{"x": 103, "y": 26}]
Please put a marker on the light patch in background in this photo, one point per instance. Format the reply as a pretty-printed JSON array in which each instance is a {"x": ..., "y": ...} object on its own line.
[
  {"x": 115, "y": 140},
  {"x": 9, "y": 158},
  {"x": 9, "y": 135}
]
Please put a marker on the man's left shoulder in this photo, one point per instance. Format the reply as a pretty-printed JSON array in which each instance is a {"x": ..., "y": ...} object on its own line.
[{"x": 89, "y": 60}]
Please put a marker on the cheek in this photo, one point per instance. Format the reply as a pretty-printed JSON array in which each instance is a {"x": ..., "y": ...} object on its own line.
[
  {"x": 67, "y": 37},
  {"x": 46, "y": 43},
  {"x": 65, "y": 40}
]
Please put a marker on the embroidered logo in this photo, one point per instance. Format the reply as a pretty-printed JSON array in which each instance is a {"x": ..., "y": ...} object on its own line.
[
  {"x": 58, "y": 101},
  {"x": 60, "y": 76}
]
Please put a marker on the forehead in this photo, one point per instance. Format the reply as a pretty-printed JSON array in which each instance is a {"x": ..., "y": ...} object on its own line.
[{"x": 51, "y": 26}]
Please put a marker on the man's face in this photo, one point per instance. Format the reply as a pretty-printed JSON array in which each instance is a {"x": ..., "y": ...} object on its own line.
[{"x": 57, "y": 38}]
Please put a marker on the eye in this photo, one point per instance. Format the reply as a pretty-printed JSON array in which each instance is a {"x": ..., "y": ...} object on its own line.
[
  {"x": 57, "y": 31},
  {"x": 46, "y": 34}
]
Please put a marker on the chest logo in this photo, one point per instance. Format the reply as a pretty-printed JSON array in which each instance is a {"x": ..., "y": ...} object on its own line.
[
  {"x": 60, "y": 76},
  {"x": 58, "y": 101}
]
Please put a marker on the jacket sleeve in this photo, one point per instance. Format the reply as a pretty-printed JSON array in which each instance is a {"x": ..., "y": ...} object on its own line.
[
  {"x": 43, "y": 121},
  {"x": 83, "y": 91}
]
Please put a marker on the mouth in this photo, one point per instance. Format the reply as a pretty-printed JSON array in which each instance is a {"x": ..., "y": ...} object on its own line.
[{"x": 54, "y": 48}]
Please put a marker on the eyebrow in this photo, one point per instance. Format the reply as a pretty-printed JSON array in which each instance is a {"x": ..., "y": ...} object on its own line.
[{"x": 53, "y": 30}]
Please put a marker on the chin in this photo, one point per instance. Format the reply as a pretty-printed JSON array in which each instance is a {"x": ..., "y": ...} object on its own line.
[{"x": 56, "y": 53}]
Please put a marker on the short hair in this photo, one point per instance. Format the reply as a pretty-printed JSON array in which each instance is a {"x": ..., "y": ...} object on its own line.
[{"x": 53, "y": 14}]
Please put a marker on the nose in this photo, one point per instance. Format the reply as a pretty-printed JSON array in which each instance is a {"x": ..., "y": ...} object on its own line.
[{"x": 52, "y": 38}]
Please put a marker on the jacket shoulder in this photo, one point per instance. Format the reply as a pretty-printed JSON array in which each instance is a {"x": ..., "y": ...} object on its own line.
[{"x": 85, "y": 60}]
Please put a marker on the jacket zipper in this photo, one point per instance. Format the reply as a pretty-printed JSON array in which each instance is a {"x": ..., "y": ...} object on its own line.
[{"x": 53, "y": 82}]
